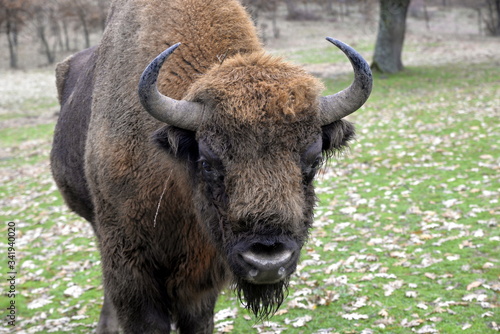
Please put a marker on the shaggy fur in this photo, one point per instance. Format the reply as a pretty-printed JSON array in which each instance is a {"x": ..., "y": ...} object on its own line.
[
  {"x": 169, "y": 205},
  {"x": 262, "y": 300}
]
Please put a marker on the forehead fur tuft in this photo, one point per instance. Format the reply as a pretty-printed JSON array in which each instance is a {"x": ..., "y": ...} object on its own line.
[{"x": 256, "y": 87}]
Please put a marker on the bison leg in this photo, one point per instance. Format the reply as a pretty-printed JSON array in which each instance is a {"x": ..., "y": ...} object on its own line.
[
  {"x": 137, "y": 306},
  {"x": 200, "y": 323},
  {"x": 137, "y": 317},
  {"x": 134, "y": 296},
  {"x": 108, "y": 321}
]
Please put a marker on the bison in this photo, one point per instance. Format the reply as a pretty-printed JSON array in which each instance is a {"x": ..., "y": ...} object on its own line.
[{"x": 197, "y": 174}]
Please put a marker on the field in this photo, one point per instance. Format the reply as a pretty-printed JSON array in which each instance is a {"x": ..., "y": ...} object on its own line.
[{"x": 406, "y": 236}]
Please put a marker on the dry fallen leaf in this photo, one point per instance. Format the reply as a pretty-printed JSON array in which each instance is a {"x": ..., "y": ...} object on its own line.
[
  {"x": 40, "y": 302},
  {"x": 299, "y": 322},
  {"x": 73, "y": 291},
  {"x": 383, "y": 313},
  {"x": 412, "y": 323},
  {"x": 422, "y": 306},
  {"x": 426, "y": 329},
  {"x": 474, "y": 285},
  {"x": 430, "y": 275},
  {"x": 354, "y": 316},
  {"x": 411, "y": 294},
  {"x": 466, "y": 326}
]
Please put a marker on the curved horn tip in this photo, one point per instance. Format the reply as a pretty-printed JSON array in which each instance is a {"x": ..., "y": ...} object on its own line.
[
  {"x": 150, "y": 73},
  {"x": 182, "y": 114},
  {"x": 337, "y": 106},
  {"x": 346, "y": 48},
  {"x": 341, "y": 45},
  {"x": 170, "y": 49},
  {"x": 333, "y": 40}
]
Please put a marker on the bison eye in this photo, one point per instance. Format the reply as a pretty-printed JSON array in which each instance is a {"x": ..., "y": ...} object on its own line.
[
  {"x": 209, "y": 163},
  {"x": 311, "y": 161},
  {"x": 211, "y": 171},
  {"x": 317, "y": 163},
  {"x": 207, "y": 167},
  {"x": 309, "y": 171}
]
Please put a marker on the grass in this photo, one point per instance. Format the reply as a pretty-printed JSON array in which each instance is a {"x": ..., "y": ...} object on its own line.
[{"x": 407, "y": 234}]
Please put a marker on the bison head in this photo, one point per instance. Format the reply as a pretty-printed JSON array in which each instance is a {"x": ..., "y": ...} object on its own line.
[{"x": 254, "y": 131}]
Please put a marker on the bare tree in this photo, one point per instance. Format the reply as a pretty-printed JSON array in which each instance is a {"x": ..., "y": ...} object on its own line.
[
  {"x": 65, "y": 18},
  {"x": 12, "y": 18},
  {"x": 493, "y": 17},
  {"x": 83, "y": 10},
  {"x": 391, "y": 34},
  {"x": 45, "y": 23},
  {"x": 85, "y": 16},
  {"x": 293, "y": 12},
  {"x": 256, "y": 8},
  {"x": 52, "y": 24},
  {"x": 103, "y": 6},
  {"x": 329, "y": 6}
]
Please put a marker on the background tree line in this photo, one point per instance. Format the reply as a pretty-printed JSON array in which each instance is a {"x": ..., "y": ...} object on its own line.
[
  {"x": 64, "y": 26},
  {"x": 55, "y": 25}
]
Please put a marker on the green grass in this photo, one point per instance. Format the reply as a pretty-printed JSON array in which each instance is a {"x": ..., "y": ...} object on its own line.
[
  {"x": 413, "y": 203},
  {"x": 13, "y": 137}
]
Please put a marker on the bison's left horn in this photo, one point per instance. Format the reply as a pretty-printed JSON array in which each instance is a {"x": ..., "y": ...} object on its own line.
[
  {"x": 337, "y": 106},
  {"x": 182, "y": 114}
]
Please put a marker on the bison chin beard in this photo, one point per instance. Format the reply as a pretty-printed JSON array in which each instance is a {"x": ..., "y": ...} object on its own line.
[{"x": 262, "y": 299}]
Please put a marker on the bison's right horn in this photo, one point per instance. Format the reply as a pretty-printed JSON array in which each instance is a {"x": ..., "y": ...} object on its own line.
[
  {"x": 337, "y": 106},
  {"x": 182, "y": 114}
]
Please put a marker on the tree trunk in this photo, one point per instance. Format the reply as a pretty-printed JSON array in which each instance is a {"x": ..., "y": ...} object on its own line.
[
  {"x": 276, "y": 30},
  {"x": 329, "y": 6},
  {"x": 497, "y": 7},
  {"x": 9, "y": 17},
  {"x": 291, "y": 6},
  {"x": 45, "y": 44},
  {"x": 391, "y": 34},
  {"x": 65, "y": 34},
  {"x": 11, "y": 32},
  {"x": 493, "y": 17},
  {"x": 103, "y": 9},
  {"x": 86, "y": 33},
  {"x": 342, "y": 11},
  {"x": 82, "y": 15}
]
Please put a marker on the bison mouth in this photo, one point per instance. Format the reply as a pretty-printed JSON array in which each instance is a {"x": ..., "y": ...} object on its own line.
[{"x": 262, "y": 266}]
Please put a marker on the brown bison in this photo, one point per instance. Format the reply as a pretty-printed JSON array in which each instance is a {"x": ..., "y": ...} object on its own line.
[{"x": 199, "y": 174}]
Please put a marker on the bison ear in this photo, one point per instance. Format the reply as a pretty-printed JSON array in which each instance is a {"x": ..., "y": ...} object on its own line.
[
  {"x": 336, "y": 136},
  {"x": 178, "y": 142}
]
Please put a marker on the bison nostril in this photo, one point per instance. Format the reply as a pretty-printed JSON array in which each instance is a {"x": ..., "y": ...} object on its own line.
[
  {"x": 267, "y": 260},
  {"x": 264, "y": 257},
  {"x": 261, "y": 248}
]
